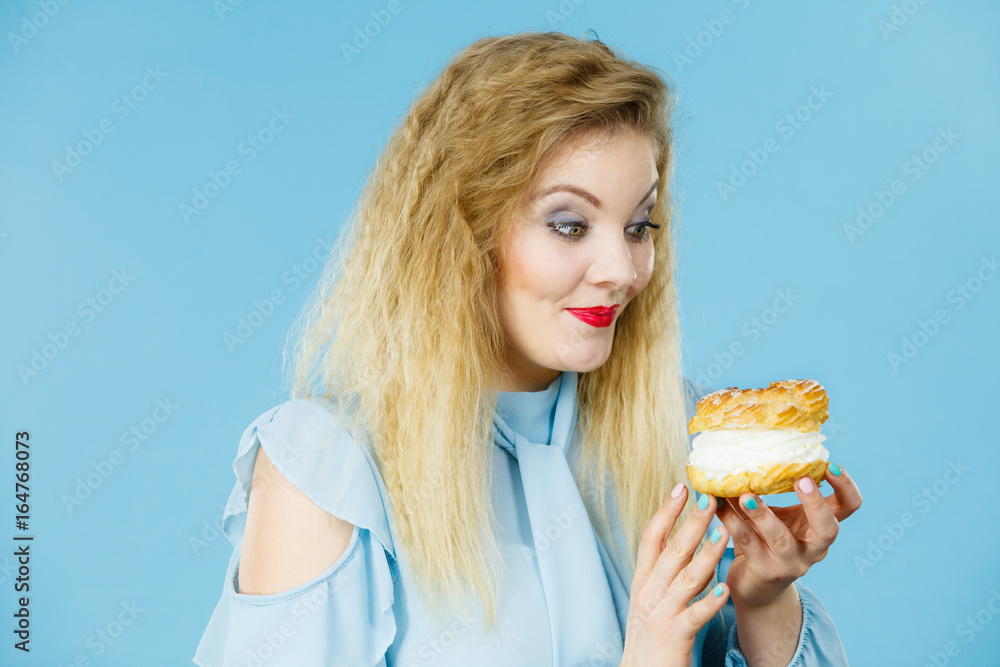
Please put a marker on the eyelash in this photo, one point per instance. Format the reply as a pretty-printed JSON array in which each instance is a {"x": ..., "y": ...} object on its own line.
[{"x": 645, "y": 236}]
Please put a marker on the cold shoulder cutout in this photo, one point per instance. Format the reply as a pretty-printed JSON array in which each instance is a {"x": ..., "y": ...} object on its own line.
[{"x": 343, "y": 616}]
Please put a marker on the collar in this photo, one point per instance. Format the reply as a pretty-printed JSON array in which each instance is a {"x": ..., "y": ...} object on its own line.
[{"x": 506, "y": 437}]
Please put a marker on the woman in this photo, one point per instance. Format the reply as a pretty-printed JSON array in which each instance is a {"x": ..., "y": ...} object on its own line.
[{"x": 489, "y": 414}]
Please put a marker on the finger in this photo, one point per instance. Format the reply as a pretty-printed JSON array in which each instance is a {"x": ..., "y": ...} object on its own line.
[
  {"x": 846, "y": 498},
  {"x": 723, "y": 508},
  {"x": 734, "y": 506},
  {"x": 681, "y": 547},
  {"x": 737, "y": 521},
  {"x": 776, "y": 535},
  {"x": 696, "y": 574},
  {"x": 823, "y": 524},
  {"x": 746, "y": 536},
  {"x": 702, "y": 611},
  {"x": 659, "y": 526}
]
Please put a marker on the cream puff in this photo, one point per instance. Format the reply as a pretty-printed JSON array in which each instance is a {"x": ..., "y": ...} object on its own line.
[{"x": 758, "y": 440}]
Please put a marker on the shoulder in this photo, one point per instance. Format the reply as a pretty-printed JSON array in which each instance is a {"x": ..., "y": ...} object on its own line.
[
  {"x": 289, "y": 539},
  {"x": 321, "y": 502},
  {"x": 299, "y": 434},
  {"x": 307, "y": 443}
]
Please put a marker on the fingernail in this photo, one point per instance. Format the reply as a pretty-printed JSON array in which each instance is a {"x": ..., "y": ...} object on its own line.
[
  {"x": 716, "y": 535},
  {"x": 703, "y": 502},
  {"x": 676, "y": 493},
  {"x": 835, "y": 469},
  {"x": 717, "y": 591},
  {"x": 750, "y": 504},
  {"x": 806, "y": 485}
]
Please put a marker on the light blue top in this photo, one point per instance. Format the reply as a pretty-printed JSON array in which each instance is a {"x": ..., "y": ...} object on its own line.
[{"x": 564, "y": 602}]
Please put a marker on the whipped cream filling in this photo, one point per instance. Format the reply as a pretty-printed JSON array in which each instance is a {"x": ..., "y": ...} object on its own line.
[{"x": 725, "y": 451}]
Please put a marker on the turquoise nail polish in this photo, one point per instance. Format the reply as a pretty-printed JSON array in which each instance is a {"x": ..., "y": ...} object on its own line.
[
  {"x": 717, "y": 591},
  {"x": 835, "y": 469},
  {"x": 715, "y": 536},
  {"x": 703, "y": 503},
  {"x": 751, "y": 504}
]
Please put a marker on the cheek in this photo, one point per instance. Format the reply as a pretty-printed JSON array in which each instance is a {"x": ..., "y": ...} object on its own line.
[
  {"x": 643, "y": 260},
  {"x": 539, "y": 271}
]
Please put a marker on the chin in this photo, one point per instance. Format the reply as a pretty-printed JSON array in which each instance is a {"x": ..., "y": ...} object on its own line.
[{"x": 588, "y": 360}]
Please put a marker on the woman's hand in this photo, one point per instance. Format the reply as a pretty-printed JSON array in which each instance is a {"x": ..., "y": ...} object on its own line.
[
  {"x": 774, "y": 546},
  {"x": 661, "y": 627}
]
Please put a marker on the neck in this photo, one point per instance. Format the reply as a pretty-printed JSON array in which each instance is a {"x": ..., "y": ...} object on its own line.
[{"x": 537, "y": 381}]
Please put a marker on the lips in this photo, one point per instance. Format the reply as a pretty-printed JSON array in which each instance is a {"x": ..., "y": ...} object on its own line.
[{"x": 599, "y": 316}]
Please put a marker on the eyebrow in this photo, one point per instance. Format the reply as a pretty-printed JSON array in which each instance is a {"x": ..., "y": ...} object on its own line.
[{"x": 569, "y": 187}]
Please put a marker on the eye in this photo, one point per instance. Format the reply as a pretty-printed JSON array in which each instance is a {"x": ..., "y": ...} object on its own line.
[
  {"x": 555, "y": 226},
  {"x": 642, "y": 230}
]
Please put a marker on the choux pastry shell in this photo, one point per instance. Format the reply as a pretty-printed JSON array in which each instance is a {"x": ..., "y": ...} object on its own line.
[{"x": 780, "y": 412}]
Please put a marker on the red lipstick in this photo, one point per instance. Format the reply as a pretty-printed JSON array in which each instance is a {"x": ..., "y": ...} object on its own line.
[{"x": 599, "y": 316}]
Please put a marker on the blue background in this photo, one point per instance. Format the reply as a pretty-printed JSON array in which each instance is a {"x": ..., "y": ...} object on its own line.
[{"x": 898, "y": 593}]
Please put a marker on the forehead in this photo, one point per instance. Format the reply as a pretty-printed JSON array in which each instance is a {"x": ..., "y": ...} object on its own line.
[
  {"x": 598, "y": 151},
  {"x": 597, "y": 162}
]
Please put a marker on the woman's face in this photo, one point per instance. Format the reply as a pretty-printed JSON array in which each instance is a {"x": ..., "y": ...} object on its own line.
[{"x": 599, "y": 192}]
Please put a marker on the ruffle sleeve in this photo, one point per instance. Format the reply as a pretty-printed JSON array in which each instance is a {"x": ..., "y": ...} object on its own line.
[
  {"x": 343, "y": 616},
  {"x": 819, "y": 643}
]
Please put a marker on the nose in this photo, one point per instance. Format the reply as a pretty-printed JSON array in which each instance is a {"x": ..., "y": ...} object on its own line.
[{"x": 613, "y": 265}]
